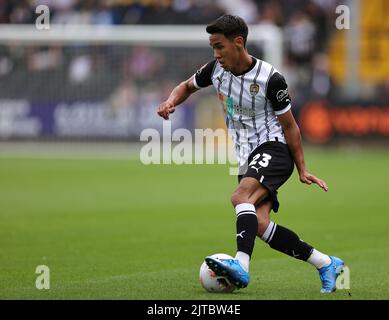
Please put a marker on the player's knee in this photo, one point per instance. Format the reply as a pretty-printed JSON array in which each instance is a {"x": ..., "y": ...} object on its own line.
[
  {"x": 243, "y": 195},
  {"x": 239, "y": 197}
]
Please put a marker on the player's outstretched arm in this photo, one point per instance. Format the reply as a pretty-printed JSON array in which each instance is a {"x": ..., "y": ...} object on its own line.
[
  {"x": 176, "y": 97},
  {"x": 293, "y": 138}
]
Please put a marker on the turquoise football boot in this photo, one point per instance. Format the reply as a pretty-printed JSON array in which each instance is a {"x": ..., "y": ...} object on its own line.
[
  {"x": 231, "y": 269},
  {"x": 329, "y": 274}
]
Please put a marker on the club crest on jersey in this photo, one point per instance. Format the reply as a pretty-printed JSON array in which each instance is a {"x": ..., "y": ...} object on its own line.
[{"x": 254, "y": 89}]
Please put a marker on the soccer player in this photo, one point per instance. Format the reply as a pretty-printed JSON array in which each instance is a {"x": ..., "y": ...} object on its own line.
[{"x": 256, "y": 102}]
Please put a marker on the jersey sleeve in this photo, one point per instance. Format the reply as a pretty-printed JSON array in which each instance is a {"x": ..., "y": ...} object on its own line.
[
  {"x": 203, "y": 76},
  {"x": 277, "y": 93}
]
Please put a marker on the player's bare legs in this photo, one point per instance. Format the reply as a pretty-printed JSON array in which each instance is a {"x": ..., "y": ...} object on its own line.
[
  {"x": 253, "y": 219},
  {"x": 250, "y": 191}
]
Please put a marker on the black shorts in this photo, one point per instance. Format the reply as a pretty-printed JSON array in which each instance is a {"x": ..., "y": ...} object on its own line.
[{"x": 271, "y": 164}]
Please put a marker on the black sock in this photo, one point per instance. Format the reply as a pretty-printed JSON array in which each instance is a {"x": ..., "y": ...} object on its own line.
[
  {"x": 286, "y": 241},
  {"x": 246, "y": 227}
]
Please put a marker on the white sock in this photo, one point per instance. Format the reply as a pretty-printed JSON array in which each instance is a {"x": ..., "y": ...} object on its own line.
[
  {"x": 244, "y": 260},
  {"x": 318, "y": 259}
]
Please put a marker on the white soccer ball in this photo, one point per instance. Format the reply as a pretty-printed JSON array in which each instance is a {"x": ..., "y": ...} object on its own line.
[{"x": 213, "y": 283}]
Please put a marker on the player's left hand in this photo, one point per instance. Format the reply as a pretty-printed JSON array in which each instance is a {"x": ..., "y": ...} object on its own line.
[{"x": 306, "y": 177}]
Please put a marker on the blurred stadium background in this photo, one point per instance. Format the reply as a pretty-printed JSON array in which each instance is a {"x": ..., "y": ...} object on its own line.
[
  {"x": 91, "y": 84},
  {"x": 103, "y": 72}
]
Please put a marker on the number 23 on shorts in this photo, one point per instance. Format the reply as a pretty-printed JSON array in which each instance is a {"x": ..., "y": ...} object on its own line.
[{"x": 261, "y": 159}]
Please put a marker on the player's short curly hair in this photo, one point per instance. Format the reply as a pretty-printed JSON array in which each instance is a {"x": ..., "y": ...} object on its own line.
[{"x": 230, "y": 26}]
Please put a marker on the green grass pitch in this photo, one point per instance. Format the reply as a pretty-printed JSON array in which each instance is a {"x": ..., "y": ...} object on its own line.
[{"x": 121, "y": 230}]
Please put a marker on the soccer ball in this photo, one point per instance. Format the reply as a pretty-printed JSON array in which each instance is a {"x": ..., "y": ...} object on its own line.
[{"x": 213, "y": 283}]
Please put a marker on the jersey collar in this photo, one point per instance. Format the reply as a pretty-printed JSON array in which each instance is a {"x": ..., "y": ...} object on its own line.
[{"x": 253, "y": 63}]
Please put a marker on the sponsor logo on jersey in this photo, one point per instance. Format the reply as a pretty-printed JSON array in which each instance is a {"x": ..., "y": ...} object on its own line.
[
  {"x": 230, "y": 109},
  {"x": 228, "y": 104},
  {"x": 242, "y": 111}
]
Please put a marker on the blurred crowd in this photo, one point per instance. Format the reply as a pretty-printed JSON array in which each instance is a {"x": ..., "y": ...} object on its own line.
[
  {"x": 164, "y": 11},
  {"x": 306, "y": 22},
  {"x": 306, "y": 25}
]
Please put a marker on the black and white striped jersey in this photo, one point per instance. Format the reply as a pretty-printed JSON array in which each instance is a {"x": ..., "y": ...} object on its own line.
[{"x": 251, "y": 101}]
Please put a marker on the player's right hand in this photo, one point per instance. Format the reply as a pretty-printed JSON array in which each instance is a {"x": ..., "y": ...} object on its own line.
[{"x": 165, "y": 109}]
